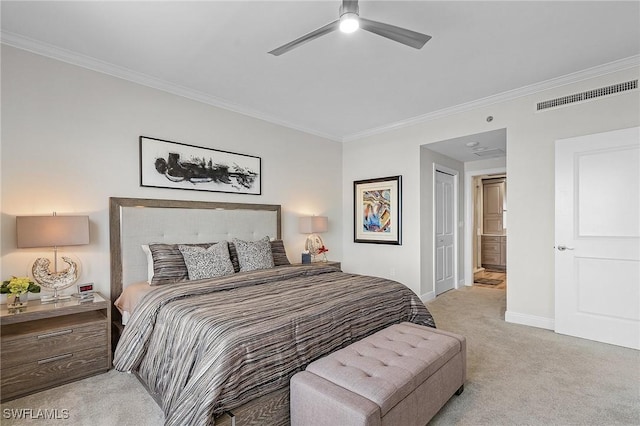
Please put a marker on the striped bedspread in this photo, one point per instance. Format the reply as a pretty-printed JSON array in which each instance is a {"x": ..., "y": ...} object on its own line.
[{"x": 209, "y": 346}]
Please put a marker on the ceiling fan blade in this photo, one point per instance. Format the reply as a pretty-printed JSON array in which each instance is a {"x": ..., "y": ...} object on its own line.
[
  {"x": 401, "y": 35},
  {"x": 332, "y": 26}
]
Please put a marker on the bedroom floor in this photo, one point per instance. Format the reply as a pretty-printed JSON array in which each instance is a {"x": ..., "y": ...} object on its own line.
[
  {"x": 515, "y": 375},
  {"x": 525, "y": 375},
  {"x": 491, "y": 278}
]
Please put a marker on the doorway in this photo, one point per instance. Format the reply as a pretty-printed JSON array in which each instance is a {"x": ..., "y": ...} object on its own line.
[
  {"x": 489, "y": 230},
  {"x": 469, "y": 156},
  {"x": 473, "y": 221}
]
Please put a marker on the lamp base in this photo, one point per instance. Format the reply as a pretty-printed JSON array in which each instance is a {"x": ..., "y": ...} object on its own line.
[
  {"x": 56, "y": 280},
  {"x": 54, "y": 298},
  {"x": 313, "y": 244}
]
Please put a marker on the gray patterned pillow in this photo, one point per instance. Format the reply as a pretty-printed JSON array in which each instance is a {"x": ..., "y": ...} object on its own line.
[
  {"x": 207, "y": 262},
  {"x": 253, "y": 255},
  {"x": 168, "y": 263}
]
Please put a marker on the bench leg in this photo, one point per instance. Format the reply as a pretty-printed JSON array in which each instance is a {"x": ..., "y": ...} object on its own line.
[{"x": 460, "y": 390}]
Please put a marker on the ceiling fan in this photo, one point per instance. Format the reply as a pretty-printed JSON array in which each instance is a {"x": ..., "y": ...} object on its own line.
[{"x": 349, "y": 22}]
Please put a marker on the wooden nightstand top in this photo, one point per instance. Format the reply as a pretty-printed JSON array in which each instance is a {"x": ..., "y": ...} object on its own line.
[
  {"x": 38, "y": 310},
  {"x": 320, "y": 263}
]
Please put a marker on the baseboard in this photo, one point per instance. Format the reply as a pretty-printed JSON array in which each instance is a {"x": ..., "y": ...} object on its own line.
[
  {"x": 530, "y": 320},
  {"x": 428, "y": 296}
]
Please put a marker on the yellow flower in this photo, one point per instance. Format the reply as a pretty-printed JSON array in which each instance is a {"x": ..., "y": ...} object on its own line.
[{"x": 19, "y": 285}]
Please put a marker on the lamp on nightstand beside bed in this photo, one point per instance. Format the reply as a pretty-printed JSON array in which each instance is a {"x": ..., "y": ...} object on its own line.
[
  {"x": 53, "y": 231},
  {"x": 313, "y": 225}
]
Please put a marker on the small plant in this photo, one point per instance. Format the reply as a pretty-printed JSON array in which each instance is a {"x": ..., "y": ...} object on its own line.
[{"x": 19, "y": 285}]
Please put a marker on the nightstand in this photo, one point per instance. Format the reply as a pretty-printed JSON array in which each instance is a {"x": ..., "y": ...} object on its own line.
[
  {"x": 320, "y": 263},
  {"x": 50, "y": 344}
]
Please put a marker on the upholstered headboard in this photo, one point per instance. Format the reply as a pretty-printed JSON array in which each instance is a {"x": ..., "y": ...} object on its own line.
[{"x": 136, "y": 221}]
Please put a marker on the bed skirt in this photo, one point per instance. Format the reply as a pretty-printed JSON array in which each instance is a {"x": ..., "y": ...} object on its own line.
[{"x": 270, "y": 409}]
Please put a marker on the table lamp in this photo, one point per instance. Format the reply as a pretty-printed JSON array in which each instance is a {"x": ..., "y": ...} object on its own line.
[
  {"x": 313, "y": 225},
  {"x": 53, "y": 231}
]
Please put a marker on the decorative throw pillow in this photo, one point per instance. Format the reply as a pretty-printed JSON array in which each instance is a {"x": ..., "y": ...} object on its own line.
[
  {"x": 233, "y": 254},
  {"x": 253, "y": 255},
  {"x": 277, "y": 250},
  {"x": 279, "y": 254},
  {"x": 207, "y": 262},
  {"x": 168, "y": 263}
]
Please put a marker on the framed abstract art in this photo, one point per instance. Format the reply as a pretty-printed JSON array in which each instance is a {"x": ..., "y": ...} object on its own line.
[
  {"x": 377, "y": 210},
  {"x": 166, "y": 164}
]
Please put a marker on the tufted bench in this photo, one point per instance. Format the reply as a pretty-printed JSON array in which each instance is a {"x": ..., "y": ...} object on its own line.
[{"x": 401, "y": 375}]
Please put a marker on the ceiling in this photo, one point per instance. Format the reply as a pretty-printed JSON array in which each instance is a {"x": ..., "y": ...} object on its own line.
[
  {"x": 481, "y": 146},
  {"x": 340, "y": 86}
]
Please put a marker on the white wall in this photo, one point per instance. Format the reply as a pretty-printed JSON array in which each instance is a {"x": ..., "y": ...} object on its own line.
[
  {"x": 373, "y": 160},
  {"x": 530, "y": 170},
  {"x": 70, "y": 141}
]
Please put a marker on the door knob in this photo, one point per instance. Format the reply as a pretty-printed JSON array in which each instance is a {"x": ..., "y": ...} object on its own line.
[{"x": 563, "y": 248}]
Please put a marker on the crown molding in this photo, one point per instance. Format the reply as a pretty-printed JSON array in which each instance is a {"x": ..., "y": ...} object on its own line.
[
  {"x": 597, "y": 71},
  {"x": 74, "y": 58},
  {"x": 88, "y": 62}
]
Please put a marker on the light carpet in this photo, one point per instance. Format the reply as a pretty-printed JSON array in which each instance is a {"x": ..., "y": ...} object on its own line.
[
  {"x": 516, "y": 375},
  {"x": 519, "y": 375}
]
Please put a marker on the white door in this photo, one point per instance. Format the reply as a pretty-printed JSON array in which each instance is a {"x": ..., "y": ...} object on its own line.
[
  {"x": 597, "y": 235},
  {"x": 444, "y": 232}
]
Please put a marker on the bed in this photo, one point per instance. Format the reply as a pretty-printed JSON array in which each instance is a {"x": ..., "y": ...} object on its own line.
[{"x": 222, "y": 350}]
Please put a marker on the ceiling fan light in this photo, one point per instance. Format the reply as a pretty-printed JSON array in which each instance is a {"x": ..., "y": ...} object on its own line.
[{"x": 349, "y": 22}]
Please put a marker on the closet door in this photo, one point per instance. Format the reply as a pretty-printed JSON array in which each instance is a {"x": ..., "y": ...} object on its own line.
[{"x": 445, "y": 232}]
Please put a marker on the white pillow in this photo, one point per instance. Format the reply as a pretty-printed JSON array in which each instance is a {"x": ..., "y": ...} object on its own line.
[{"x": 147, "y": 252}]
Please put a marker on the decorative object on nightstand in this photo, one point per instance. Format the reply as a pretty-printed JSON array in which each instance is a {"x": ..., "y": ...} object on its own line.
[
  {"x": 313, "y": 225},
  {"x": 17, "y": 290},
  {"x": 53, "y": 231},
  {"x": 323, "y": 251},
  {"x": 85, "y": 292}
]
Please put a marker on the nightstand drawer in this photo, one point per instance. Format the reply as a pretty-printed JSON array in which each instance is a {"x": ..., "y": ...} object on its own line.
[
  {"x": 28, "y": 342},
  {"x": 52, "y": 371}
]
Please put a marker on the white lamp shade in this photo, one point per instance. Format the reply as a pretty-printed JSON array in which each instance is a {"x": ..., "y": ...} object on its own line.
[
  {"x": 313, "y": 224},
  {"x": 52, "y": 231}
]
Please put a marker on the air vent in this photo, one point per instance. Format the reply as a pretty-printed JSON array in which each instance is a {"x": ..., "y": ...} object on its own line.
[
  {"x": 490, "y": 153},
  {"x": 588, "y": 95}
]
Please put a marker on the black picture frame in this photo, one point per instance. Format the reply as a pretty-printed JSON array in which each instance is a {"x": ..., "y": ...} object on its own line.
[
  {"x": 175, "y": 165},
  {"x": 378, "y": 210}
]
